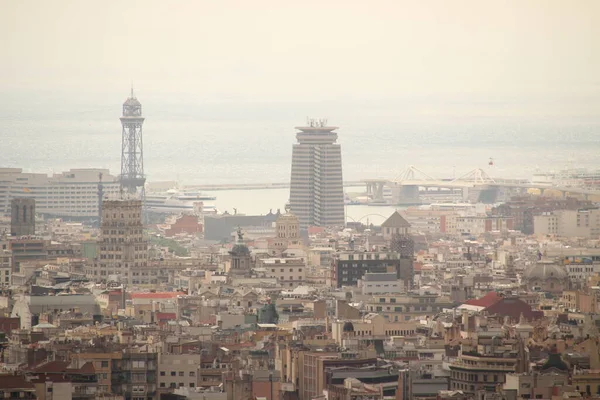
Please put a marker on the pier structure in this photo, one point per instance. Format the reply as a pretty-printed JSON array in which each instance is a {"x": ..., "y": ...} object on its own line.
[{"x": 408, "y": 187}]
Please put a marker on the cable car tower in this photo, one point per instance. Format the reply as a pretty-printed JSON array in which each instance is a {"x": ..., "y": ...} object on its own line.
[{"x": 132, "y": 154}]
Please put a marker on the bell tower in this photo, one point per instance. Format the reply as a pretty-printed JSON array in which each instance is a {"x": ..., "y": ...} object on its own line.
[
  {"x": 22, "y": 221},
  {"x": 241, "y": 258}
]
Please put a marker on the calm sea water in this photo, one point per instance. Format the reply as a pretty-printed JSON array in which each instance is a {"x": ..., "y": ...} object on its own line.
[
  {"x": 257, "y": 202},
  {"x": 202, "y": 141}
]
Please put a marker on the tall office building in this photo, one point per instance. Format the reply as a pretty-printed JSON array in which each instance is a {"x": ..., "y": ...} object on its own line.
[
  {"x": 122, "y": 248},
  {"x": 317, "y": 193}
]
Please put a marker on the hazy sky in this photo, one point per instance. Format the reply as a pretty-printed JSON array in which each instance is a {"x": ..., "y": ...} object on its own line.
[{"x": 310, "y": 49}]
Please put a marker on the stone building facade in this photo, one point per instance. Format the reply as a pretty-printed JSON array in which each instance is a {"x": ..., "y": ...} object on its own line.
[{"x": 122, "y": 247}]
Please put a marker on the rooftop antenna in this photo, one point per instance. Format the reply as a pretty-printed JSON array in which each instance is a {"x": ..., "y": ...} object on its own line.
[{"x": 132, "y": 96}]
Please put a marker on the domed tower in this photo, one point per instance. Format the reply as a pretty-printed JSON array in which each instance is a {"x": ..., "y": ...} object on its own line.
[
  {"x": 132, "y": 153},
  {"x": 241, "y": 259},
  {"x": 547, "y": 277}
]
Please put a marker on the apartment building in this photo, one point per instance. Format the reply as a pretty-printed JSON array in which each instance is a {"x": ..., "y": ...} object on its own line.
[
  {"x": 178, "y": 370},
  {"x": 27, "y": 249},
  {"x": 583, "y": 223},
  {"x": 16, "y": 387},
  {"x": 371, "y": 326},
  {"x": 474, "y": 225},
  {"x": 350, "y": 266},
  {"x": 483, "y": 365},
  {"x": 409, "y": 306},
  {"x": 135, "y": 377},
  {"x": 289, "y": 272},
  {"x": 313, "y": 365},
  {"x": 380, "y": 283}
]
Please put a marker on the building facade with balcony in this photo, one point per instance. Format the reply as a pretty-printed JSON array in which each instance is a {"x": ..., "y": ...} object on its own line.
[
  {"x": 483, "y": 365},
  {"x": 406, "y": 307},
  {"x": 134, "y": 376}
]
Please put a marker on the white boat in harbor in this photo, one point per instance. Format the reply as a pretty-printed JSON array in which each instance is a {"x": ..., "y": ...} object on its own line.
[
  {"x": 174, "y": 201},
  {"x": 354, "y": 200}
]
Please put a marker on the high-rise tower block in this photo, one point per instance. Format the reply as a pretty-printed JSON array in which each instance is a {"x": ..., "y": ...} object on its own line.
[{"x": 317, "y": 193}]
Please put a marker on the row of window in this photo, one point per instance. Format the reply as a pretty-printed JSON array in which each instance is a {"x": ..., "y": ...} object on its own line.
[
  {"x": 142, "y": 264},
  {"x": 392, "y": 332},
  {"x": 473, "y": 377},
  {"x": 371, "y": 285},
  {"x": 175, "y": 373},
  {"x": 118, "y": 256},
  {"x": 173, "y": 385},
  {"x": 291, "y": 278},
  {"x": 421, "y": 301},
  {"x": 111, "y": 272},
  {"x": 291, "y": 270},
  {"x": 121, "y": 232}
]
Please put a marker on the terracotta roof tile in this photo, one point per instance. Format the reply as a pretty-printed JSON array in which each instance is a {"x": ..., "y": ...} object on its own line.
[
  {"x": 486, "y": 301},
  {"x": 165, "y": 315},
  {"x": 159, "y": 295},
  {"x": 14, "y": 382},
  {"x": 51, "y": 367},
  {"x": 87, "y": 368}
]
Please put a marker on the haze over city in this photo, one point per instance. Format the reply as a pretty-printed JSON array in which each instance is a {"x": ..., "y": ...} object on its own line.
[
  {"x": 408, "y": 82},
  {"x": 308, "y": 200}
]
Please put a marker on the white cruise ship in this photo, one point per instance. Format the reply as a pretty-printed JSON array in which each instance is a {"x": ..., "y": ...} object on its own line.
[
  {"x": 70, "y": 194},
  {"x": 174, "y": 201}
]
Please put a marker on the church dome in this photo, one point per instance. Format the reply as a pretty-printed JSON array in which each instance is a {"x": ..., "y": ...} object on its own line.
[
  {"x": 544, "y": 271},
  {"x": 240, "y": 250}
]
